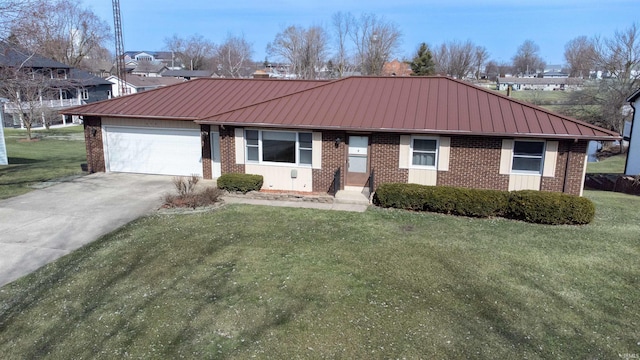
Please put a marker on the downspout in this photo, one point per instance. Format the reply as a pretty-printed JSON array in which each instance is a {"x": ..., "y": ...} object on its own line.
[
  {"x": 566, "y": 166},
  {"x": 626, "y": 163}
]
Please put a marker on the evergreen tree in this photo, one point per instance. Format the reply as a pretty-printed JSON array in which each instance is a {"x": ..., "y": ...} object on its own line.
[{"x": 423, "y": 64}]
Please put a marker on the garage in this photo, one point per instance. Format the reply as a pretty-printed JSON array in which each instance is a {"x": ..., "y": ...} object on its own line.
[{"x": 148, "y": 150}]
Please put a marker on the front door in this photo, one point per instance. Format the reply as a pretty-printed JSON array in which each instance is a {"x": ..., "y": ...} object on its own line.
[{"x": 357, "y": 160}]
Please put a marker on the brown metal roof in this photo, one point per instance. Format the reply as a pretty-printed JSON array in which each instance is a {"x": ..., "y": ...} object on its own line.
[
  {"x": 409, "y": 104},
  {"x": 192, "y": 99}
]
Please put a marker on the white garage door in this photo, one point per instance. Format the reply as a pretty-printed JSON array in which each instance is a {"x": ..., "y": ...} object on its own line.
[{"x": 153, "y": 150}]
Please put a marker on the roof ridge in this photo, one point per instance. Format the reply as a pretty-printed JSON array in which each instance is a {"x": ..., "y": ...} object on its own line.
[
  {"x": 534, "y": 107},
  {"x": 322, "y": 84}
]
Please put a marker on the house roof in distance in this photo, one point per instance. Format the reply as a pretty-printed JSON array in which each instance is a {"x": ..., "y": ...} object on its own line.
[
  {"x": 193, "y": 99},
  {"x": 13, "y": 55},
  {"x": 434, "y": 105}
]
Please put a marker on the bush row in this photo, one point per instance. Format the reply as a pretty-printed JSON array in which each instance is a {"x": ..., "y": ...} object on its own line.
[
  {"x": 240, "y": 182},
  {"x": 527, "y": 205}
]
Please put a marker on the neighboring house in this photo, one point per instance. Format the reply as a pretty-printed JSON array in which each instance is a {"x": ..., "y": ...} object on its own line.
[
  {"x": 396, "y": 68},
  {"x": 545, "y": 84},
  {"x": 353, "y": 133},
  {"x": 145, "y": 68},
  {"x": 166, "y": 58},
  {"x": 188, "y": 74},
  {"x": 135, "y": 83},
  {"x": 632, "y": 166},
  {"x": 58, "y": 86}
]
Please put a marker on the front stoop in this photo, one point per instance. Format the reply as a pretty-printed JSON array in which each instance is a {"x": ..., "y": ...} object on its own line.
[{"x": 352, "y": 195}]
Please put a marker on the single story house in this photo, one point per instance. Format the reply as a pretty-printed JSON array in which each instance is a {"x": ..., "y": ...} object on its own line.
[
  {"x": 135, "y": 83},
  {"x": 632, "y": 166},
  {"x": 536, "y": 83},
  {"x": 355, "y": 132}
]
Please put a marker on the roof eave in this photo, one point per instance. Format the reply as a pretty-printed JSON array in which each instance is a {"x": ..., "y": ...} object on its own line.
[{"x": 415, "y": 131}]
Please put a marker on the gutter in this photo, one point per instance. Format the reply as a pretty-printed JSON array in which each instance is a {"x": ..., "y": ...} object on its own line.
[{"x": 626, "y": 162}]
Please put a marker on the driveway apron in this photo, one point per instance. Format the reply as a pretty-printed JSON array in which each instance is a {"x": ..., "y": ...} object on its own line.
[{"x": 45, "y": 224}]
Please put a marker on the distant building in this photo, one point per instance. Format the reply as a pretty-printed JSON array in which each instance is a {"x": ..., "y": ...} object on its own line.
[
  {"x": 396, "y": 68},
  {"x": 545, "y": 84}
]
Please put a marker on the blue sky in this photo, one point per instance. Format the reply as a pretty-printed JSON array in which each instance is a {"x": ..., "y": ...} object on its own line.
[{"x": 499, "y": 25}]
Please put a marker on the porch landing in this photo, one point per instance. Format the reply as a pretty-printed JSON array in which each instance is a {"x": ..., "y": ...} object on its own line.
[{"x": 352, "y": 195}]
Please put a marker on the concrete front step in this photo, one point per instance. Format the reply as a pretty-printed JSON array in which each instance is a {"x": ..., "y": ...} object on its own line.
[{"x": 352, "y": 196}]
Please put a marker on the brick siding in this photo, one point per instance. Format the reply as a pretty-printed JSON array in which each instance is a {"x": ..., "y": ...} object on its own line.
[
  {"x": 332, "y": 158},
  {"x": 93, "y": 144},
  {"x": 228, "y": 151},
  {"x": 474, "y": 162},
  {"x": 573, "y": 183},
  {"x": 385, "y": 159},
  {"x": 206, "y": 151}
]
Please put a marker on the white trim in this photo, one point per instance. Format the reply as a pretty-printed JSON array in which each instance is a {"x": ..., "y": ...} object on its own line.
[
  {"x": 506, "y": 155},
  {"x": 528, "y": 172},
  {"x": 275, "y": 163},
  {"x": 436, "y": 155}
]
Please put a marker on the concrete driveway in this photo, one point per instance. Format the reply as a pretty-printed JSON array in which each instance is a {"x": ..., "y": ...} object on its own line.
[{"x": 43, "y": 225}]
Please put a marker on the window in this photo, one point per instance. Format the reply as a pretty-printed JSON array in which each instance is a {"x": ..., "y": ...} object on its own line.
[
  {"x": 424, "y": 152},
  {"x": 85, "y": 94},
  {"x": 528, "y": 156},
  {"x": 278, "y": 147}
]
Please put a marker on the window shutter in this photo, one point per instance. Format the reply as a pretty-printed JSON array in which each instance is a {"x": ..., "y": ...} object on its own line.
[
  {"x": 506, "y": 156},
  {"x": 550, "y": 159},
  {"x": 239, "y": 142},
  {"x": 405, "y": 151},
  {"x": 316, "y": 151},
  {"x": 443, "y": 153}
]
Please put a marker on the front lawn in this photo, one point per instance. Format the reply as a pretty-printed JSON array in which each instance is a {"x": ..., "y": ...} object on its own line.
[
  {"x": 611, "y": 165},
  {"x": 57, "y": 153},
  {"x": 250, "y": 281}
]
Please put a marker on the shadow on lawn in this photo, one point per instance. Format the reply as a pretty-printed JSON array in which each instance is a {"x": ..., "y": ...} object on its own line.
[
  {"x": 20, "y": 161},
  {"x": 138, "y": 301}
]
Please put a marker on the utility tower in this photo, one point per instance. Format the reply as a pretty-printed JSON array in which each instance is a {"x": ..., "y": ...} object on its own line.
[{"x": 117, "y": 26}]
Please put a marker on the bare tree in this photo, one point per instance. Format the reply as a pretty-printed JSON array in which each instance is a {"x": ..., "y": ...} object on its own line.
[
  {"x": 61, "y": 30},
  {"x": 342, "y": 24},
  {"x": 195, "y": 52},
  {"x": 455, "y": 58},
  {"x": 619, "y": 57},
  {"x": 29, "y": 92},
  {"x": 480, "y": 58},
  {"x": 10, "y": 11},
  {"x": 304, "y": 49},
  {"x": 526, "y": 61},
  {"x": 580, "y": 54},
  {"x": 375, "y": 40},
  {"x": 233, "y": 55}
]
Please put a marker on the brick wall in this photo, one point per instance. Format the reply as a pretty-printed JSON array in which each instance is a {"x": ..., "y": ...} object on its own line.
[
  {"x": 93, "y": 144},
  {"x": 228, "y": 151},
  {"x": 332, "y": 158},
  {"x": 206, "y": 151},
  {"x": 474, "y": 162},
  {"x": 385, "y": 159},
  {"x": 573, "y": 183}
]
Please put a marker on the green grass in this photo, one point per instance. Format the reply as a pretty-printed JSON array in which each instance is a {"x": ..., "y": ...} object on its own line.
[
  {"x": 57, "y": 153},
  {"x": 611, "y": 165},
  {"x": 281, "y": 283}
]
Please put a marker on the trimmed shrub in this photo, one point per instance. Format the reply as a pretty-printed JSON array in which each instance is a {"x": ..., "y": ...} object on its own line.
[
  {"x": 442, "y": 199},
  {"x": 531, "y": 206},
  {"x": 240, "y": 182},
  {"x": 550, "y": 208}
]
